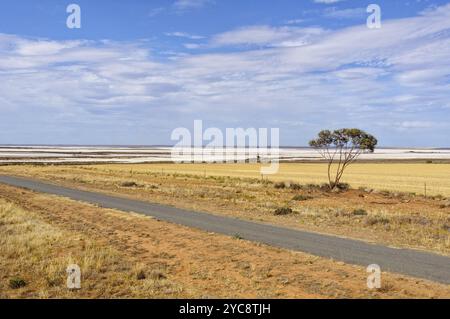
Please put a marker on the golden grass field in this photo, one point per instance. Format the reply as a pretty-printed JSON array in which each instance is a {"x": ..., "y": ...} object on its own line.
[{"x": 402, "y": 177}]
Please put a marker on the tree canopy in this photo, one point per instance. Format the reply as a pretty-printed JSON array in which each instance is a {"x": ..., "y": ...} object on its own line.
[{"x": 342, "y": 147}]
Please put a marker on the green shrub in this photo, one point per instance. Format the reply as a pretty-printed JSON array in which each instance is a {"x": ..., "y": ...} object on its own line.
[
  {"x": 359, "y": 212},
  {"x": 237, "y": 236},
  {"x": 343, "y": 186},
  {"x": 283, "y": 211},
  {"x": 313, "y": 186},
  {"x": 16, "y": 283},
  {"x": 128, "y": 184},
  {"x": 280, "y": 185},
  {"x": 295, "y": 186},
  {"x": 141, "y": 275}
]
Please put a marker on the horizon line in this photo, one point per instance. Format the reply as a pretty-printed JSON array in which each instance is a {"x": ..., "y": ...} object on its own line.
[{"x": 167, "y": 145}]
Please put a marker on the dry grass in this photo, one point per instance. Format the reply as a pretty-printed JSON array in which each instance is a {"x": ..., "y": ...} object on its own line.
[
  {"x": 114, "y": 249},
  {"x": 34, "y": 256},
  {"x": 396, "y": 177},
  {"x": 391, "y": 218}
]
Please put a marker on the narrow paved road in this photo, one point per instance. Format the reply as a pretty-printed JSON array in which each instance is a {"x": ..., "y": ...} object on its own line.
[{"x": 405, "y": 261}]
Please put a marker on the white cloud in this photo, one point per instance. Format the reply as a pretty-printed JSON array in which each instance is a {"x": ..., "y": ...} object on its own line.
[
  {"x": 397, "y": 76},
  {"x": 345, "y": 13},
  {"x": 184, "y": 35},
  {"x": 192, "y": 46},
  {"x": 190, "y": 4},
  {"x": 417, "y": 124},
  {"x": 294, "y": 21},
  {"x": 156, "y": 11},
  {"x": 43, "y": 47},
  {"x": 267, "y": 36}
]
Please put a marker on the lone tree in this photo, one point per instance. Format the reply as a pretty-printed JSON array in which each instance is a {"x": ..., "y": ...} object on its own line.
[{"x": 342, "y": 147}]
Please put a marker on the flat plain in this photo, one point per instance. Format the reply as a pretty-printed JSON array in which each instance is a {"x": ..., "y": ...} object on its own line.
[
  {"x": 394, "y": 176},
  {"x": 385, "y": 204}
]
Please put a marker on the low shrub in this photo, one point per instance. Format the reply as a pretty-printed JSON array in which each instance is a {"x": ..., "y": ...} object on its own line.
[
  {"x": 301, "y": 197},
  {"x": 128, "y": 184},
  {"x": 359, "y": 212},
  {"x": 16, "y": 283},
  {"x": 343, "y": 186},
  {"x": 237, "y": 236},
  {"x": 295, "y": 186},
  {"x": 373, "y": 220},
  {"x": 141, "y": 275},
  {"x": 283, "y": 211},
  {"x": 280, "y": 185}
]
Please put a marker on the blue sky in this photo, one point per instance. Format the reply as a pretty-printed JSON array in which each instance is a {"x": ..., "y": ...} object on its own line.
[{"x": 136, "y": 70}]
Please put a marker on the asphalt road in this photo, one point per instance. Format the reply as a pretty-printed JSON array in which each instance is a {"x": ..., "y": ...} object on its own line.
[{"x": 404, "y": 261}]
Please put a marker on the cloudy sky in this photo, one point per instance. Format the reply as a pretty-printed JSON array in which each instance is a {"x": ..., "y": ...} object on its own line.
[{"x": 138, "y": 69}]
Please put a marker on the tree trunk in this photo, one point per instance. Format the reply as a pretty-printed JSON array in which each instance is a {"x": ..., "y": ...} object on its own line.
[{"x": 329, "y": 175}]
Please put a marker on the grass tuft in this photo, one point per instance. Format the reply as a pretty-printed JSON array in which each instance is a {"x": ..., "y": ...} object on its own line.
[
  {"x": 359, "y": 212},
  {"x": 16, "y": 283}
]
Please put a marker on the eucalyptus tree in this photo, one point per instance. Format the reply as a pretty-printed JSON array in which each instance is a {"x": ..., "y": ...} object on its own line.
[{"x": 342, "y": 147}]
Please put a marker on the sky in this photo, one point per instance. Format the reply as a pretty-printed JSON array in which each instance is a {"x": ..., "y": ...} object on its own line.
[{"x": 138, "y": 69}]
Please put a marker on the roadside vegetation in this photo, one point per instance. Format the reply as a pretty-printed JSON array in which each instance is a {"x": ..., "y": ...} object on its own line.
[
  {"x": 389, "y": 217},
  {"x": 35, "y": 254},
  {"x": 124, "y": 255}
]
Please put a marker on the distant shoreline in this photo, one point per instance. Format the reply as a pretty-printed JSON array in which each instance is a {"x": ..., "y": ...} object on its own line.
[
  {"x": 163, "y": 154},
  {"x": 170, "y": 146}
]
